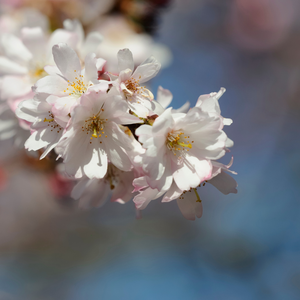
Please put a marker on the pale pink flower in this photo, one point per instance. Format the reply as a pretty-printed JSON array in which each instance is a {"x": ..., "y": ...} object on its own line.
[
  {"x": 46, "y": 129},
  {"x": 180, "y": 147},
  {"x": 94, "y": 136},
  {"x": 188, "y": 201},
  {"x": 70, "y": 83},
  {"x": 128, "y": 83}
]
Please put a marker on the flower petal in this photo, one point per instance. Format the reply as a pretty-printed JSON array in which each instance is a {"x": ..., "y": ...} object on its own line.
[
  {"x": 147, "y": 70},
  {"x": 125, "y": 60},
  {"x": 67, "y": 61}
]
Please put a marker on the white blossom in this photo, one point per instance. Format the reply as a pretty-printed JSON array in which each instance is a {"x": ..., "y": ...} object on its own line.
[{"x": 93, "y": 136}]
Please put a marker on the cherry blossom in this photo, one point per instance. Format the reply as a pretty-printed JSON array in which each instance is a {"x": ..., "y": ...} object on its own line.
[
  {"x": 70, "y": 83},
  {"x": 112, "y": 137},
  {"x": 128, "y": 83},
  {"x": 46, "y": 130},
  {"x": 93, "y": 137}
]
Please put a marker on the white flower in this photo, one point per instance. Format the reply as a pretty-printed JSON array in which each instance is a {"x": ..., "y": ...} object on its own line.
[
  {"x": 181, "y": 147},
  {"x": 94, "y": 136},
  {"x": 46, "y": 130},
  {"x": 191, "y": 138},
  {"x": 24, "y": 58},
  {"x": 71, "y": 83},
  {"x": 188, "y": 201},
  {"x": 129, "y": 82}
]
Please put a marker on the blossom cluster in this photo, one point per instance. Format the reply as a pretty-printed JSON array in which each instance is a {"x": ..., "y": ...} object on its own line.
[{"x": 112, "y": 135}]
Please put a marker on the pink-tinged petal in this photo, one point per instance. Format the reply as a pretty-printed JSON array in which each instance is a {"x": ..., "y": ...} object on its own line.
[
  {"x": 189, "y": 206},
  {"x": 125, "y": 60},
  {"x": 52, "y": 84},
  {"x": 100, "y": 64},
  {"x": 97, "y": 166},
  {"x": 91, "y": 72},
  {"x": 173, "y": 193},
  {"x": 64, "y": 105},
  {"x": 209, "y": 103},
  {"x": 224, "y": 183},
  {"x": 139, "y": 183},
  {"x": 92, "y": 42},
  {"x": 186, "y": 176},
  {"x": 202, "y": 167},
  {"x": 67, "y": 61},
  {"x": 147, "y": 70},
  {"x": 8, "y": 67},
  {"x": 143, "y": 198},
  {"x": 164, "y": 97},
  {"x": 14, "y": 49},
  {"x": 35, "y": 41}
]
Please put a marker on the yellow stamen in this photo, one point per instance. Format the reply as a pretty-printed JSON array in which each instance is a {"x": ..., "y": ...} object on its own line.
[
  {"x": 184, "y": 145},
  {"x": 95, "y": 133},
  {"x": 48, "y": 120},
  {"x": 198, "y": 198}
]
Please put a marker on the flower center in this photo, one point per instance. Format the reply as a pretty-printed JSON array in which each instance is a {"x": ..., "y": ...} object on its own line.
[
  {"x": 52, "y": 123},
  {"x": 37, "y": 73},
  {"x": 95, "y": 126},
  {"x": 133, "y": 88},
  {"x": 178, "y": 143},
  {"x": 77, "y": 87}
]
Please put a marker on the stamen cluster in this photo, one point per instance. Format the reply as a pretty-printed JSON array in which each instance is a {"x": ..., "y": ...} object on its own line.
[{"x": 78, "y": 86}]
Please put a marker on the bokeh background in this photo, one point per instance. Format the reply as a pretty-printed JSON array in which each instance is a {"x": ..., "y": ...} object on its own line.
[{"x": 246, "y": 245}]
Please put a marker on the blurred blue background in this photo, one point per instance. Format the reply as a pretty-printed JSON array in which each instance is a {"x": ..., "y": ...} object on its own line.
[{"x": 246, "y": 245}]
